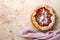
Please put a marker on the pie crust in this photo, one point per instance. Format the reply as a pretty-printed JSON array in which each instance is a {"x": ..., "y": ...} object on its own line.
[{"x": 52, "y": 18}]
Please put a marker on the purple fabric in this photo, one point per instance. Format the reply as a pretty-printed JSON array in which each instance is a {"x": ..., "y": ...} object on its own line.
[{"x": 37, "y": 35}]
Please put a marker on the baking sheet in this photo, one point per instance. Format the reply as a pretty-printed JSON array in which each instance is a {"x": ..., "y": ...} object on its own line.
[{"x": 16, "y": 15}]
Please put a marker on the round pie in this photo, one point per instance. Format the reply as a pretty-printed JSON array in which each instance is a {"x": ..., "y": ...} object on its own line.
[{"x": 43, "y": 17}]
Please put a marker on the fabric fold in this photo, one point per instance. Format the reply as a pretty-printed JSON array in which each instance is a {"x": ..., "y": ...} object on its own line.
[{"x": 38, "y": 35}]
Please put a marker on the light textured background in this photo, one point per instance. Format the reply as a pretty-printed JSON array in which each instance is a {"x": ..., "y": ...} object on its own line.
[{"x": 16, "y": 15}]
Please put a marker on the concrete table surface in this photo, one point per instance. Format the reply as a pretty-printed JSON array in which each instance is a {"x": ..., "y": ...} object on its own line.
[{"x": 16, "y": 15}]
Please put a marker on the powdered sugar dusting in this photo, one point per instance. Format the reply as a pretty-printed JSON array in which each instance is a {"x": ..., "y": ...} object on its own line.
[{"x": 43, "y": 17}]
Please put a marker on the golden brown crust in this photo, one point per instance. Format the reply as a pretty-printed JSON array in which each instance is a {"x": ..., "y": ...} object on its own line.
[{"x": 33, "y": 20}]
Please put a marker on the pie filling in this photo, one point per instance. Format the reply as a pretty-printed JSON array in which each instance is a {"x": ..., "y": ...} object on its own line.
[{"x": 43, "y": 16}]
